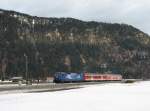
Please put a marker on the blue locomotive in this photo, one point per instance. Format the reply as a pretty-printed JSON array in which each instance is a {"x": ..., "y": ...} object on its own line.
[{"x": 61, "y": 77}]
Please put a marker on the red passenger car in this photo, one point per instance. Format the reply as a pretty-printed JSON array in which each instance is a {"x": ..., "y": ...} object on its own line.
[{"x": 102, "y": 77}]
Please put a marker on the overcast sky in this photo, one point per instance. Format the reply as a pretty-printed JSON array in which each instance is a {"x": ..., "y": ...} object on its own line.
[{"x": 133, "y": 12}]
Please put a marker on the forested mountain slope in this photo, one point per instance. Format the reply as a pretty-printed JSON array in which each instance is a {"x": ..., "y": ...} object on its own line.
[{"x": 65, "y": 44}]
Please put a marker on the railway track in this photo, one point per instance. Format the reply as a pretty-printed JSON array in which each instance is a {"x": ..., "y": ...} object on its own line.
[{"x": 46, "y": 86}]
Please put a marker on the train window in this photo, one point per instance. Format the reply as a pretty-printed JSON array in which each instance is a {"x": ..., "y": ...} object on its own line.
[
  {"x": 87, "y": 77},
  {"x": 100, "y": 77},
  {"x": 105, "y": 77},
  {"x": 97, "y": 77}
]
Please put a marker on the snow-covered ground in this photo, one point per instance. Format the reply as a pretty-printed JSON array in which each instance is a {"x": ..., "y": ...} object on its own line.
[{"x": 106, "y": 97}]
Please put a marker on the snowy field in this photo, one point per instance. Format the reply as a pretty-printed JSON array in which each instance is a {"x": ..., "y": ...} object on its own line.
[{"x": 106, "y": 97}]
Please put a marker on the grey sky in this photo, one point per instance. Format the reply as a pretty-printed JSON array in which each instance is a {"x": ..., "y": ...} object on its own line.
[{"x": 134, "y": 12}]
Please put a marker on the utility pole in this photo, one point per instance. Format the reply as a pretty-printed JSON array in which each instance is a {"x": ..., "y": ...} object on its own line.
[
  {"x": 26, "y": 67},
  {"x": 37, "y": 54},
  {"x": 4, "y": 66}
]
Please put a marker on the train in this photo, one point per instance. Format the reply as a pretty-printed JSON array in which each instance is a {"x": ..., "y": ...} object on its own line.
[{"x": 64, "y": 77}]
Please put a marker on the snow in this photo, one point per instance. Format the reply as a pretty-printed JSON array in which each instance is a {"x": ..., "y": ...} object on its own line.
[{"x": 104, "y": 97}]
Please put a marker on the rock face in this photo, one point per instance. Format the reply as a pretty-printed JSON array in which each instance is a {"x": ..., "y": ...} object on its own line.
[{"x": 50, "y": 45}]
